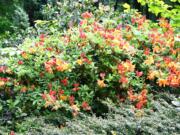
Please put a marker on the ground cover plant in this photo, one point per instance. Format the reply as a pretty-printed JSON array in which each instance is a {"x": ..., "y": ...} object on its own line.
[
  {"x": 125, "y": 58},
  {"x": 159, "y": 119}
]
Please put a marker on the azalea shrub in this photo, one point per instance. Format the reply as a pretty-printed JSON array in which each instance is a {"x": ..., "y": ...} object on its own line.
[{"x": 121, "y": 58}]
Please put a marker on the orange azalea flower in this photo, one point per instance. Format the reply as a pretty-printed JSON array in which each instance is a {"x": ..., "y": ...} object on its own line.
[
  {"x": 131, "y": 50},
  {"x": 156, "y": 49},
  {"x": 32, "y": 50},
  {"x": 101, "y": 83},
  {"x": 167, "y": 60},
  {"x": 49, "y": 49},
  {"x": 63, "y": 67},
  {"x": 141, "y": 98},
  {"x": 63, "y": 97},
  {"x": 87, "y": 60},
  {"x": 116, "y": 42},
  {"x": 149, "y": 60},
  {"x": 174, "y": 80},
  {"x": 152, "y": 75},
  {"x": 86, "y": 106},
  {"x": 131, "y": 96},
  {"x": 56, "y": 105},
  {"x": 75, "y": 110},
  {"x": 121, "y": 69},
  {"x": 172, "y": 64},
  {"x": 175, "y": 51},
  {"x": 123, "y": 80},
  {"x": 125, "y": 46},
  {"x": 59, "y": 68},
  {"x": 142, "y": 95},
  {"x": 125, "y": 67},
  {"x": 2, "y": 69},
  {"x": 144, "y": 92},
  {"x": 162, "y": 82},
  {"x": 79, "y": 61},
  {"x": 51, "y": 62},
  {"x": 83, "y": 22},
  {"x": 129, "y": 36},
  {"x": 146, "y": 51},
  {"x": 164, "y": 23},
  {"x": 50, "y": 99},
  {"x": 24, "y": 55},
  {"x": 48, "y": 68},
  {"x": 129, "y": 66},
  {"x": 59, "y": 62},
  {"x": 174, "y": 70},
  {"x": 49, "y": 102},
  {"x": 2, "y": 83},
  {"x": 86, "y": 15},
  {"x": 140, "y": 104},
  {"x": 9, "y": 71}
]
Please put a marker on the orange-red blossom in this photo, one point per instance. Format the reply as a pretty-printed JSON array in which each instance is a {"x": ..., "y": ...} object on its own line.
[{"x": 140, "y": 99}]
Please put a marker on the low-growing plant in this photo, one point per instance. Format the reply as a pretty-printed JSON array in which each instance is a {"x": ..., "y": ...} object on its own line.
[{"x": 160, "y": 119}]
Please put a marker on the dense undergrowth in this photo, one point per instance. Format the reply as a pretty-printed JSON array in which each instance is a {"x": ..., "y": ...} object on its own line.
[{"x": 161, "y": 118}]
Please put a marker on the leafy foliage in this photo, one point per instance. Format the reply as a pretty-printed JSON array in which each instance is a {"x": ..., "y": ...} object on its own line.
[
  {"x": 95, "y": 60},
  {"x": 69, "y": 64},
  {"x": 160, "y": 7}
]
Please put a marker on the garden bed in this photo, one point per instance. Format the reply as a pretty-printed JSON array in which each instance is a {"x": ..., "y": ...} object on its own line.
[
  {"x": 106, "y": 73},
  {"x": 160, "y": 118}
]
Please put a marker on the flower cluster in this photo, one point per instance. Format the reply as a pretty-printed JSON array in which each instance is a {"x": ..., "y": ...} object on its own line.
[
  {"x": 3, "y": 69},
  {"x": 3, "y": 81},
  {"x": 139, "y": 99},
  {"x": 166, "y": 67},
  {"x": 56, "y": 64}
]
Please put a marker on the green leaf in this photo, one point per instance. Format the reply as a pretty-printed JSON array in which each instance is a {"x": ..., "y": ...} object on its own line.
[{"x": 126, "y": 6}]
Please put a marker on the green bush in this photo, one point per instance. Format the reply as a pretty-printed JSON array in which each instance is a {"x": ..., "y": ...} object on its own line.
[
  {"x": 121, "y": 58},
  {"x": 165, "y": 8}
]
